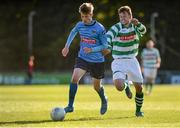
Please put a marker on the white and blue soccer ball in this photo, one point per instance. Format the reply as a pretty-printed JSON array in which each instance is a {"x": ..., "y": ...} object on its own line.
[{"x": 58, "y": 114}]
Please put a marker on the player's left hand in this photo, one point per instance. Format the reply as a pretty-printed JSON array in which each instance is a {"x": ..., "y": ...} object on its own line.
[
  {"x": 142, "y": 69},
  {"x": 105, "y": 52},
  {"x": 135, "y": 21},
  {"x": 87, "y": 50}
]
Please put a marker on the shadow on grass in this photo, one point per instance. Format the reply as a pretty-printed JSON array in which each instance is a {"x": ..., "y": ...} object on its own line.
[
  {"x": 96, "y": 118},
  {"x": 66, "y": 120},
  {"x": 25, "y": 122}
]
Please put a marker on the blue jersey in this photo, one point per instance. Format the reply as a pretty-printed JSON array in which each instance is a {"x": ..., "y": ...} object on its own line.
[{"x": 92, "y": 36}]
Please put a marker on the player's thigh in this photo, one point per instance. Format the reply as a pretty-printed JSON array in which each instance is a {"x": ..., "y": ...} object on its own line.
[
  {"x": 77, "y": 74},
  {"x": 80, "y": 69}
]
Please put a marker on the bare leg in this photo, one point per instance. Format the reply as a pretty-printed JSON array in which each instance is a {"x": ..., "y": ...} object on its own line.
[
  {"x": 77, "y": 75},
  {"x": 120, "y": 85}
]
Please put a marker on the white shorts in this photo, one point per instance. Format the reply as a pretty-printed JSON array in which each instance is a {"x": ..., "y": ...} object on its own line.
[
  {"x": 127, "y": 69},
  {"x": 150, "y": 73}
]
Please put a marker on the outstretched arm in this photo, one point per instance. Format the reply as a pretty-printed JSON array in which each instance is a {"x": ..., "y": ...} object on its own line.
[{"x": 65, "y": 50}]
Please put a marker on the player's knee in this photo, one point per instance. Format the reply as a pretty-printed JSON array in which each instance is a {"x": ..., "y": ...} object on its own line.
[
  {"x": 139, "y": 88},
  {"x": 119, "y": 87},
  {"x": 74, "y": 80}
]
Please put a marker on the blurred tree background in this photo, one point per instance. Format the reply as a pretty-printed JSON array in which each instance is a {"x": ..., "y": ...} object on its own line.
[{"x": 54, "y": 20}]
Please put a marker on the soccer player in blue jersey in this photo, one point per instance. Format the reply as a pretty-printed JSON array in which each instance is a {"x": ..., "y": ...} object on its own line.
[{"x": 90, "y": 59}]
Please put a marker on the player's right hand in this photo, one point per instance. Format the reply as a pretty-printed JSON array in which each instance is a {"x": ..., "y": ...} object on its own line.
[
  {"x": 134, "y": 21},
  {"x": 65, "y": 51},
  {"x": 158, "y": 65}
]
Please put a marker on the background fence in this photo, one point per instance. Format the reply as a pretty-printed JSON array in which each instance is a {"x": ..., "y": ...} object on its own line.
[{"x": 163, "y": 77}]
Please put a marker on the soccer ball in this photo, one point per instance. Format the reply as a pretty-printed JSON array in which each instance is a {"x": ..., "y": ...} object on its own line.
[{"x": 58, "y": 114}]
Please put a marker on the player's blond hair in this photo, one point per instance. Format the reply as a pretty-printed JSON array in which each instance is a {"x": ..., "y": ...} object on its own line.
[
  {"x": 86, "y": 8},
  {"x": 125, "y": 9}
]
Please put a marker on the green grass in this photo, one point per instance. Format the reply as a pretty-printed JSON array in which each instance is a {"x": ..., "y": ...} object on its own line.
[{"x": 30, "y": 106}]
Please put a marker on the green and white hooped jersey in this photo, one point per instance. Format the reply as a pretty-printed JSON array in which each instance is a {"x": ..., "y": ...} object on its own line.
[
  {"x": 124, "y": 41},
  {"x": 149, "y": 57}
]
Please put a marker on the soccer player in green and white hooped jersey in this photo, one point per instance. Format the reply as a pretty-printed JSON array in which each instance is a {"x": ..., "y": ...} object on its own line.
[
  {"x": 150, "y": 60},
  {"x": 124, "y": 40}
]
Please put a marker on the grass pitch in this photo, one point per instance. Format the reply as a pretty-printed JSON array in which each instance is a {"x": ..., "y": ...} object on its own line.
[{"x": 30, "y": 106}]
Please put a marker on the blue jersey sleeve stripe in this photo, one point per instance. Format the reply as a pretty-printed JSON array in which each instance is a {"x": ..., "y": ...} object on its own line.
[{"x": 71, "y": 37}]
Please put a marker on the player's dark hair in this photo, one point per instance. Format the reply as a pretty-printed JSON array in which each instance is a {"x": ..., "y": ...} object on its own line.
[
  {"x": 125, "y": 9},
  {"x": 86, "y": 8}
]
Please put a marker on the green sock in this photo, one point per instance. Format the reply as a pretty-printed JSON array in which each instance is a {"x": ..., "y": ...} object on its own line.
[{"x": 139, "y": 101}]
